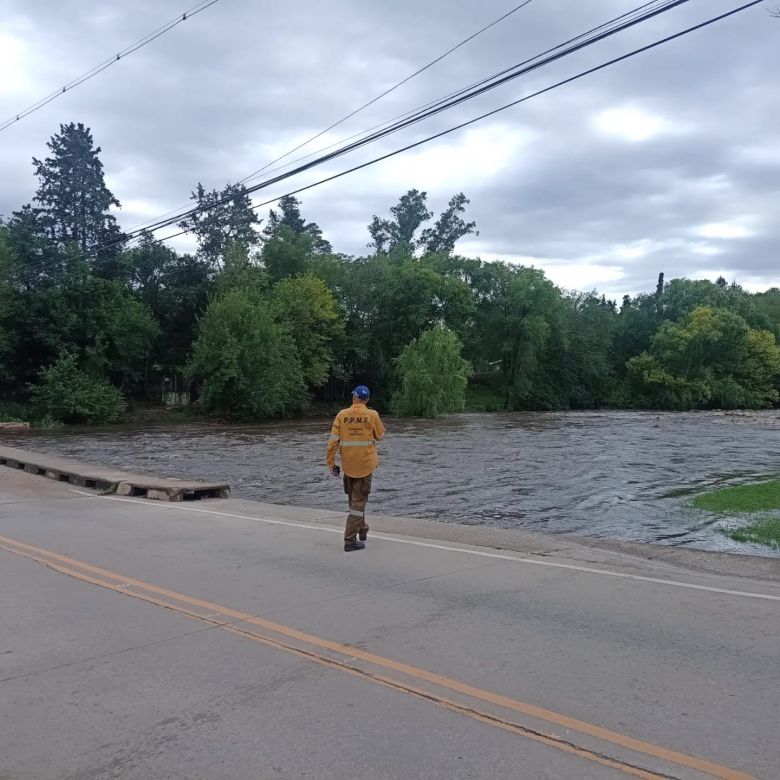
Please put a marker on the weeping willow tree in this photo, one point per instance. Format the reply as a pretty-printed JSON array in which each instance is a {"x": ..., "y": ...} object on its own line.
[{"x": 432, "y": 375}]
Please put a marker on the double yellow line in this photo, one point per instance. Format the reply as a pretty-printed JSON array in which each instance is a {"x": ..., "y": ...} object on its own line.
[{"x": 414, "y": 681}]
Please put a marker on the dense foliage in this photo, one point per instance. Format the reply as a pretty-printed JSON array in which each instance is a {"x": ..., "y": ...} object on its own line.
[
  {"x": 432, "y": 375},
  {"x": 265, "y": 317},
  {"x": 69, "y": 395}
]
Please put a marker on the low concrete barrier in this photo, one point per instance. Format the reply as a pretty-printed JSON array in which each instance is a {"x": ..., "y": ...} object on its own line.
[{"x": 110, "y": 480}]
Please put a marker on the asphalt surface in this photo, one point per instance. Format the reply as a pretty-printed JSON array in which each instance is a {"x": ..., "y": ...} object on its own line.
[{"x": 228, "y": 639}]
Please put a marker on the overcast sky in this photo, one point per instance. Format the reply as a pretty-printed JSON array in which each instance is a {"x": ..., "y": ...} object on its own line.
[{"x": 668, "y": 162}]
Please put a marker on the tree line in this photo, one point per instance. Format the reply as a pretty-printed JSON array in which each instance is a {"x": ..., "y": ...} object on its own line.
[{"x": 266, "y": 318}]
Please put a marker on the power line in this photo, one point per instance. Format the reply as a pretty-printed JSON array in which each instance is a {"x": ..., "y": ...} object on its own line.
[
  {"x": 139, "y": 44},
  {"x": 605, "y": 25},
  {"x": 479, "y": 118},
  {"x": 183, "y": 210},
  {"x": 371, "y": 102},
  {"x": 661, "y": 6},
  {"x": 571, "y": 79},
  {"x": 640, "y": 14},
  {"x": 391, "y": 89},
  {"x": 452, "y": 94}
]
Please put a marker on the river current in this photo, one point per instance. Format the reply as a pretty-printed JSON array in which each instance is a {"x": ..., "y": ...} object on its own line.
[{"x": 620, "y": 475}]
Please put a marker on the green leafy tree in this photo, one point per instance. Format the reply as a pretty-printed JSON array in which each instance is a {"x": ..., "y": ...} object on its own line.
[
  {"x": 246, "y": 365},
  {"x": 8, "y": 304},
  {"x": 386, "y": 302},
  {"x": 682, "y": 296},
  {"x": 186, "y": 284},
  {"x": 432, "y": 375},
  {"x": 399, "y": 233},
  {"x": 286, "y": 253},
  {"x": 175, "y": 289},
  {"x": 96, "y": 319},
  {"x": 636, "y": 324},
  {"x": 360, "y": 287},
  {"x": 69, "y": 395},
  {"x": 241, "y": 270},
  {"x": 290, "y": 244},
  {"x": 412, "y": 304},
  {"x": 223, "y": 218},
  {"x": 288, "y": 215},
  {"x": 73, "y": 204},
  {"x": 767, "y": 305},
  {"x": 71, "y": 217},
  {"x": 758, "y": 373},
  {"x": 582, "y": 372},
  {"x": 519, "y": 311},
  {"x": 710, "y": 358},
  {"x": 308, "y": 310},
  {"x": 39, "y": 260},
  {"x": 145, "y": 267},
  {"x": 449, "y": 227}
]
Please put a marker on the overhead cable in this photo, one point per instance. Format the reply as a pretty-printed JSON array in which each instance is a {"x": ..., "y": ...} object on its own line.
[
  {"x": 503, "y": 77},
  {"x": 92, "y": 72},
  {"x": 632, "y": 14},
  {"x": 571, "y": 79},
  {"x": 391, "y": 89},
  {"x": 371, "y": 102},
  {"x": 428, "y": 139}
]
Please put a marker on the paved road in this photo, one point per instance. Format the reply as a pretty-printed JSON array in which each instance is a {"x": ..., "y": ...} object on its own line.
[{"x": 235, "y": 640}]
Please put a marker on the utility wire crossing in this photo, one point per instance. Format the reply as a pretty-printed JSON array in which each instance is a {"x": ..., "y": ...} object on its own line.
[
  {"x": 92, "y": 72},
  {"x": 150, "y": 224},
  {"x": 508, "y": 74},
  {"x": 479, "y": 118},
  {"x": 628, "y": 15},
  {"x": 428, "y": 139},
  {"x": 354, "y": 112}
]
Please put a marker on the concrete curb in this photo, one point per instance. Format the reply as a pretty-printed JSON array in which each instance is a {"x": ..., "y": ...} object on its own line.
[{"x": 110, "y": 480}]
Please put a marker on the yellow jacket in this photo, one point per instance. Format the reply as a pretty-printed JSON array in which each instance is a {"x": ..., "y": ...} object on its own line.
[{"x": 355, "y": 433}]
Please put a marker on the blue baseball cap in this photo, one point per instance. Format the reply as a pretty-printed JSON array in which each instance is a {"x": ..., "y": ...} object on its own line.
[{"x": 362, "y": 392}]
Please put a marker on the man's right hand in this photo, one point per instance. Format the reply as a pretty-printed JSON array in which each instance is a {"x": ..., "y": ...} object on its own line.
[{"x": 335, "y": 471}]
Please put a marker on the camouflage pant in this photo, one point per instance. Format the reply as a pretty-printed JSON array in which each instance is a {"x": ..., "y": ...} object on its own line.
[{"x": 357, "y": 490}]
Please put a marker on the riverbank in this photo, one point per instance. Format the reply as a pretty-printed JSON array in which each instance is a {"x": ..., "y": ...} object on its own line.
[
  {"x": 573, "y": 546},
  {"x": 625, "y": 476},
  {"x": 480, "y": 399},
  {"x": 620, "y": 476}
]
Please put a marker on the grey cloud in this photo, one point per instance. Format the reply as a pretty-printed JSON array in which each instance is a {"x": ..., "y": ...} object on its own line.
[{"x": 203, "y": 102}]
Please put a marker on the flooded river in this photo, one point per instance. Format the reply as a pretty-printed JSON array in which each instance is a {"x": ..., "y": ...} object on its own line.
[{"x": 622, "y": 475}]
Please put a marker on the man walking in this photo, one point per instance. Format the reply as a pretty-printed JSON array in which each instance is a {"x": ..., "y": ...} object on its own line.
[{"x": 354, "y": 434}]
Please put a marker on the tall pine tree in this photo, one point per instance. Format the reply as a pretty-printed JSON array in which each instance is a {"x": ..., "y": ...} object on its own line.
[
  {"x": 72, "y": 197},
  {"x": 289, "y": 217}
]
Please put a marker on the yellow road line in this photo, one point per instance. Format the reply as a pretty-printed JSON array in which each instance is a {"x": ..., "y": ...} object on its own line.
[{"x": 122, "y": 584}]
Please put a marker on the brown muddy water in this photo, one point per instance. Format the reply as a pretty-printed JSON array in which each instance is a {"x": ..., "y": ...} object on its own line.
[{"x": 619, "y": 475}]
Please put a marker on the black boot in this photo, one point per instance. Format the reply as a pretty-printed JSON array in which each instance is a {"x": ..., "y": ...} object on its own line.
[{"x": 352, "y": 546}]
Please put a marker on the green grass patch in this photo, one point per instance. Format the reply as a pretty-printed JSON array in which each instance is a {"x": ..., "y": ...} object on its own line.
[
  {"x": 743, "y": 498},
  {"x": 757, "y": 500},
  {"x": 765, "y": 531}
]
